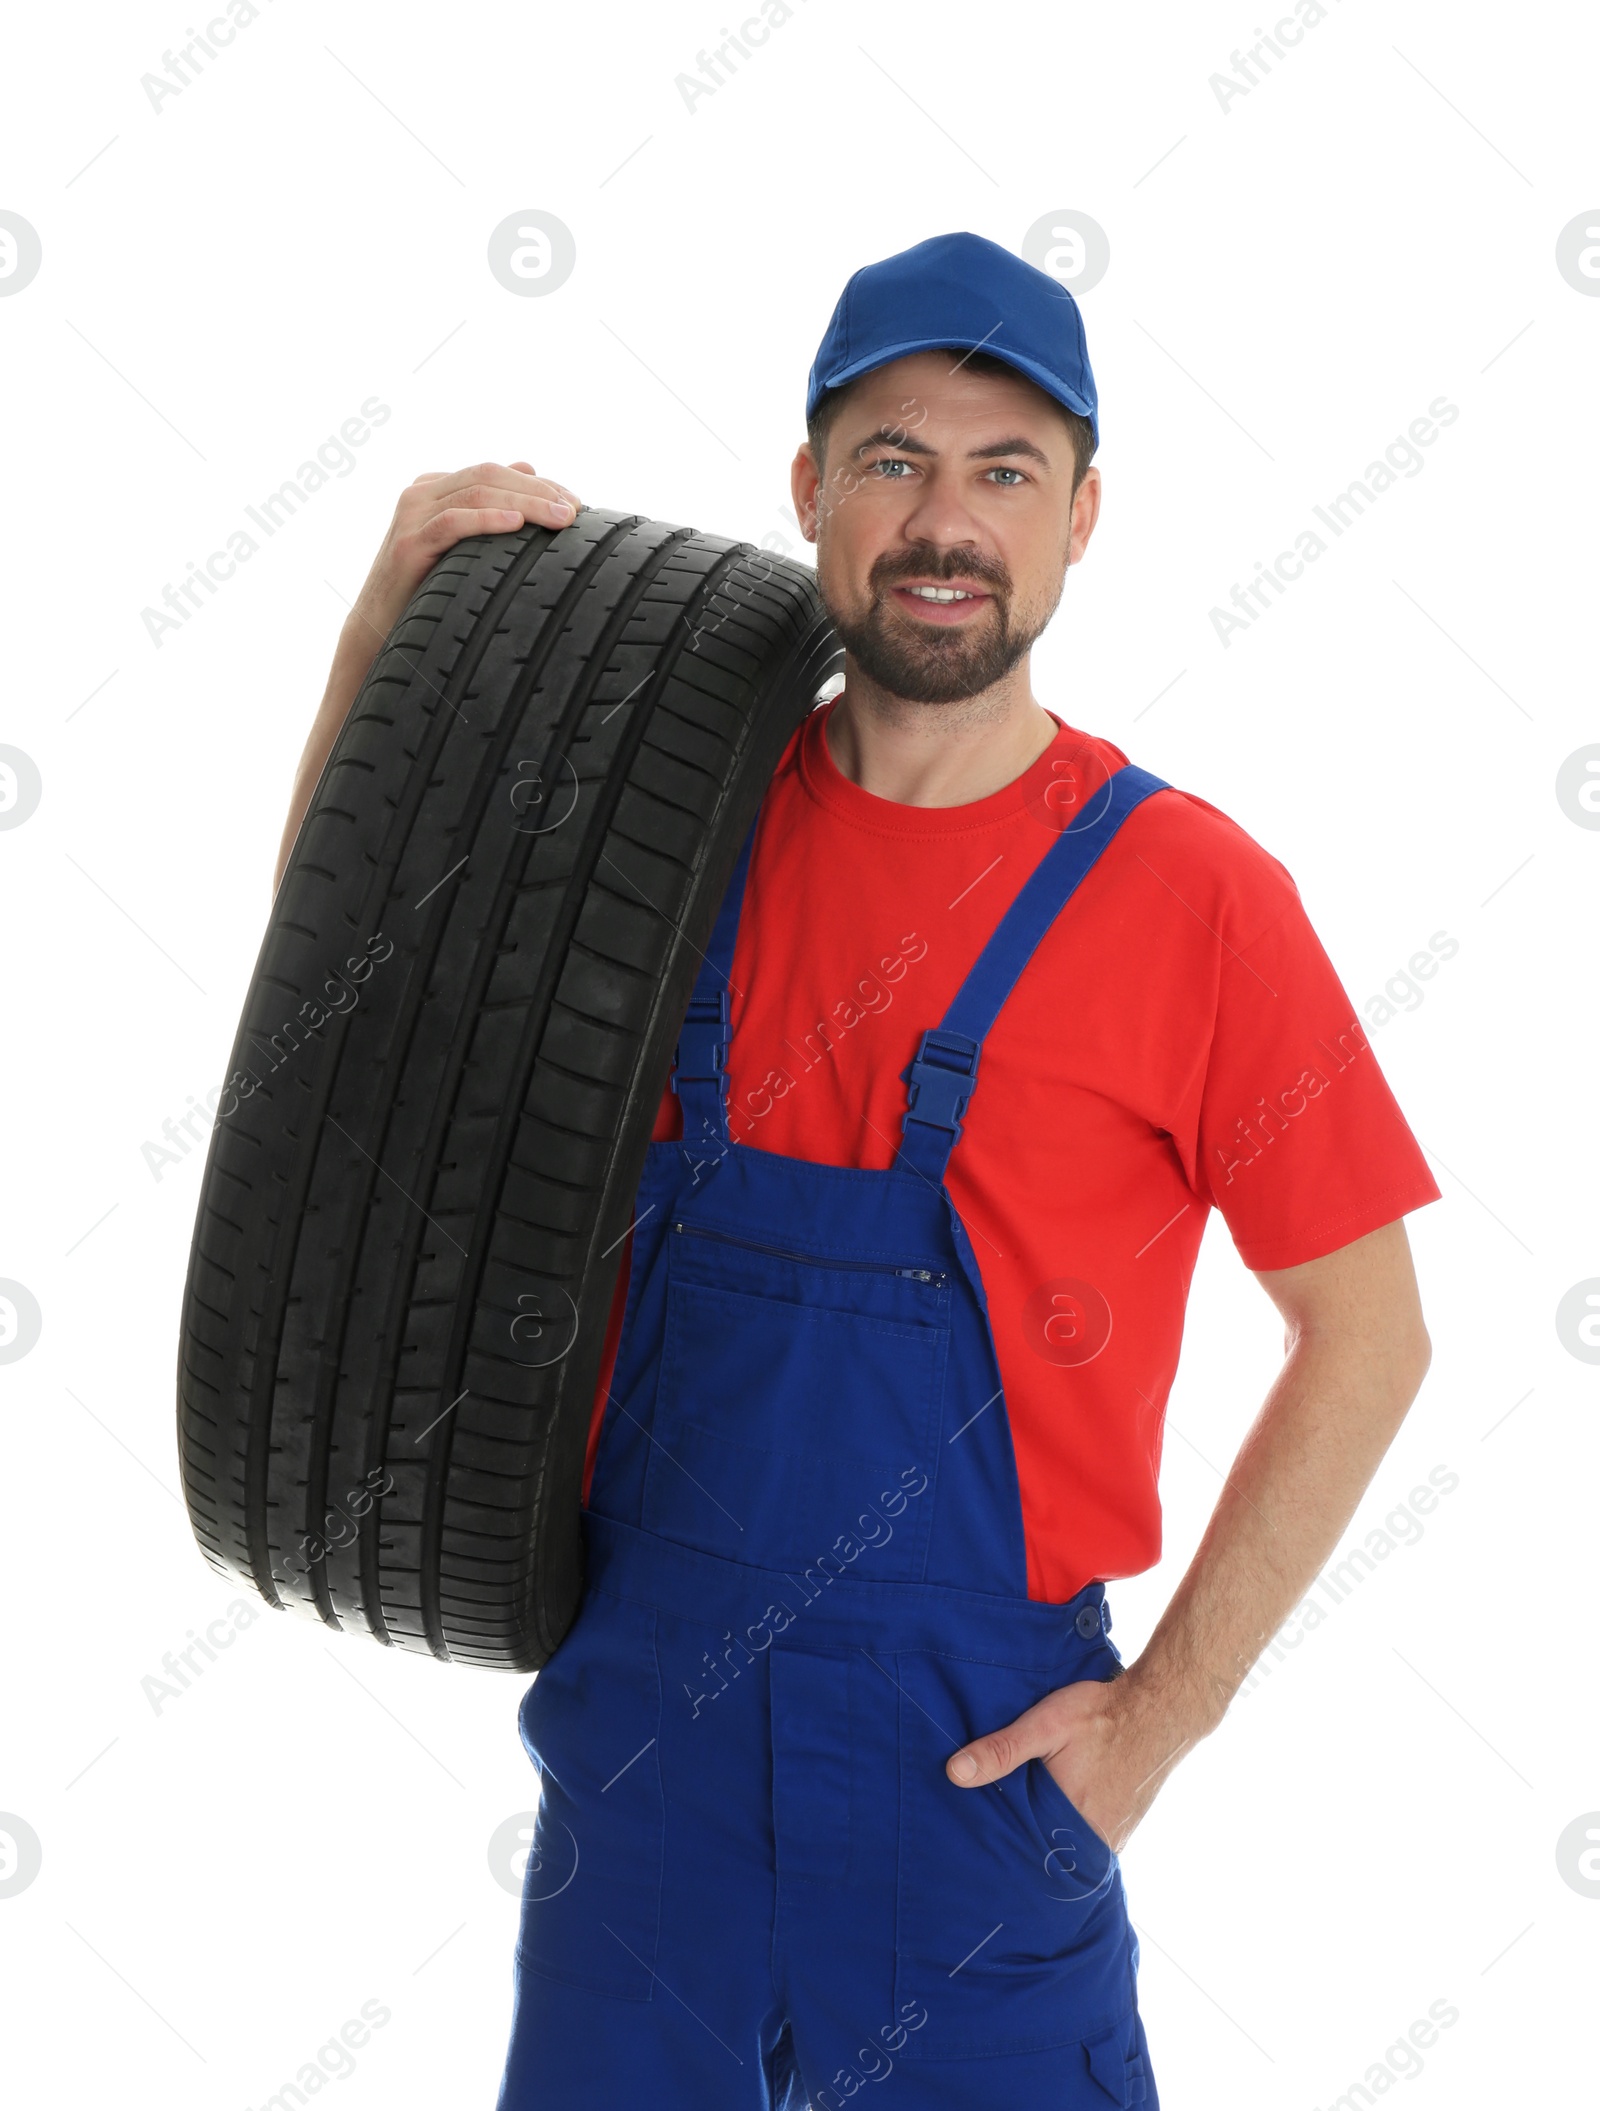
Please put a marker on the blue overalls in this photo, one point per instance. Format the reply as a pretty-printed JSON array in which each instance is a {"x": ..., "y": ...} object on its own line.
[{"x": 752, "y": 1883}]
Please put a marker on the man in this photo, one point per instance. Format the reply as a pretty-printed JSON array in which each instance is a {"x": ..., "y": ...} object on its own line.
[{"x": 838, "y": 1760}]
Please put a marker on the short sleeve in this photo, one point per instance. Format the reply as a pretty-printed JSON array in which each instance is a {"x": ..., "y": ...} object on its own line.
[{"x": 1302, "y": 1145}]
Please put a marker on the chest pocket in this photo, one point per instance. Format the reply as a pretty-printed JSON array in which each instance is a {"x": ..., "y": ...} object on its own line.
[{"x": 799, "y": 1405}]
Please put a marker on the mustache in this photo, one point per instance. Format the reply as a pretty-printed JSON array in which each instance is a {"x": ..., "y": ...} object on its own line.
[{"x": 925, "y": 562}]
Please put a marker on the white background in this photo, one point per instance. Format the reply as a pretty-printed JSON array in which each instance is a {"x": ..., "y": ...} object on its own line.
[{"x": 1292, "y": 281}]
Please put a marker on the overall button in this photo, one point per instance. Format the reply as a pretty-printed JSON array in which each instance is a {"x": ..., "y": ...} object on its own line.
[{"x": 1088, "y": 1622}]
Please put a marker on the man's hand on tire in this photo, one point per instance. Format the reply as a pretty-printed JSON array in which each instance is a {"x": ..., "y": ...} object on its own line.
[{"x": 435, "y": 511}]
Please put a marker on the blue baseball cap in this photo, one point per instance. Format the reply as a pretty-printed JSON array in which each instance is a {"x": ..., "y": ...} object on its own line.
[{"x": 966, "y": 291}]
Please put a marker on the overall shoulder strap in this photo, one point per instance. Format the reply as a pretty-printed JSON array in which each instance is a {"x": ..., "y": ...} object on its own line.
[
  {"x": 700, "y": 1063},
  {"x": 941, "y": 1076}
]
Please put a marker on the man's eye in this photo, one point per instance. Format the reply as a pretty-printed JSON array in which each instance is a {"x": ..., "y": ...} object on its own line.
[
  {"x": 892, "y": 461},
  {"x": 1003, "y": 470}
]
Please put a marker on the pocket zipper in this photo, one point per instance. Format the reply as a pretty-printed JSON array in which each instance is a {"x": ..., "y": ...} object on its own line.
[{"x": 727, "y": 1238}]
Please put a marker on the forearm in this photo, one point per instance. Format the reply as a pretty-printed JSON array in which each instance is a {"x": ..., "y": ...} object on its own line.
[
  {"x": 352, "y": 658},
  {"x": 1313, "y": 1449}
]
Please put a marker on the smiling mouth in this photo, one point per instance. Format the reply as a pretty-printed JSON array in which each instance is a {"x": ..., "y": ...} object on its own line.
[{"x": 941, "y": 604}]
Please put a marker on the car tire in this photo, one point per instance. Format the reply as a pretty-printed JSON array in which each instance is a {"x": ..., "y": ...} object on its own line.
[{"x": 448, "y": 1066}]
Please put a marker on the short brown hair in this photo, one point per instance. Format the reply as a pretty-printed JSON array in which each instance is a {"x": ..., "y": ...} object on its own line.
[{"x": 820, "y": 423}]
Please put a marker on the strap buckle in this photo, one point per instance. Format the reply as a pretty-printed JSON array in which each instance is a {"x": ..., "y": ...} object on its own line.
[
  {"x": 940, "y": 1078},
  {"x": 702, "y": 1050}
]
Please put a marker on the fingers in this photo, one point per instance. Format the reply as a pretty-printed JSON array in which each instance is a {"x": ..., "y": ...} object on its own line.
[
  {"x": 1039, "y": 1732},
  {"x": 503, "y": 487},
  {"x": 1000, "y": 1753},
  {"x": 440, "y": 508},
  {"x": 445, "y": 528}
]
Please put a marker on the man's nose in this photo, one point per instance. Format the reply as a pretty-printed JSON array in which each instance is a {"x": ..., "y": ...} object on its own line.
[{"x": 941, "y": 515}]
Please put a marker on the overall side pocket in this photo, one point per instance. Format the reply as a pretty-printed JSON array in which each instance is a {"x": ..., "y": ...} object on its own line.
[
  {"x": 590, "y": 1722},
  {"x": 1012, "y": 1927}
]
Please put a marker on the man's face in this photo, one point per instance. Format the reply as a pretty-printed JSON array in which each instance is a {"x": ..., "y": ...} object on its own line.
[{"x": 938, "y": 478}]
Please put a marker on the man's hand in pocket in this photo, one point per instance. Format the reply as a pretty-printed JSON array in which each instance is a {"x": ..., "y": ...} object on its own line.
[{"x": 1108, "y": 1744}]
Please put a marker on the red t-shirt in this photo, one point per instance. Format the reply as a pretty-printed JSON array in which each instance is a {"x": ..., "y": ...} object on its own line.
[{"x": 1179, "y": 1040}]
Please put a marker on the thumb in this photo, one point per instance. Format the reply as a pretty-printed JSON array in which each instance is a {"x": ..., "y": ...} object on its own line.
[{"x": 1000, "y": 1752}]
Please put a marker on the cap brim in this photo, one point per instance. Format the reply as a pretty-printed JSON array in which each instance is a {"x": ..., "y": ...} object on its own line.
[{"x": 1029, "y": 367}]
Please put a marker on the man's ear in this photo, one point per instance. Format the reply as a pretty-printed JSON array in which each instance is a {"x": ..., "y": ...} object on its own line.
[
  {"x": 1085, "y": 512},
  {"x": 805, "y": 482}
]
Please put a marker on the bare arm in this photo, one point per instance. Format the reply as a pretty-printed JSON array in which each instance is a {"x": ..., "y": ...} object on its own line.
[
  {"x": 1356, "y": 1351},
  {"x": 434, "y": 512}
]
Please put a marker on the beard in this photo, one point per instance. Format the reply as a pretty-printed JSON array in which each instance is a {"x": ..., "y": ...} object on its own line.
[{"x": 924, "y": 663}]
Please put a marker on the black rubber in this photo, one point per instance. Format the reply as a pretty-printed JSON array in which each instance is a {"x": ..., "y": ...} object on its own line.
[{"x": 457, "y": 1035}]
